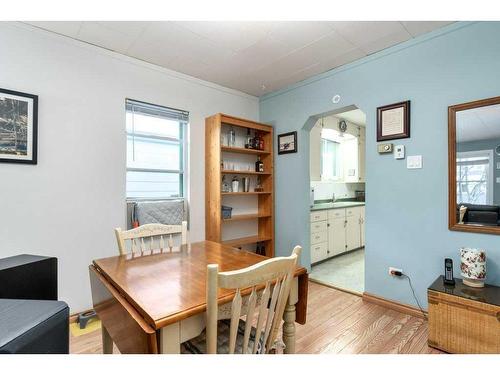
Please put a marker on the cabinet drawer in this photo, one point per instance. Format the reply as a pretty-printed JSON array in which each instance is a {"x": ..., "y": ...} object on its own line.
[
  {"x": 337, "y": 213},
  {"x": 319, "y": 237},
  {"x": 319, "y": 252},
  {"x": 318, "y": 216},
  {"x": 318, "y": 226},
  {"x": 353, "y": 211}
]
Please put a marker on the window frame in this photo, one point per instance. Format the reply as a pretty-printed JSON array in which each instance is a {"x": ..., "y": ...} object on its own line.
[
  {"x": 337, "y": 166},
  {"x": 183, "y": 152}
]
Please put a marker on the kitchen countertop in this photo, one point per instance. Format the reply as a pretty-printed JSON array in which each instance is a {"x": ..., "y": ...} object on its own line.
[{"x": 329, "y": 206}]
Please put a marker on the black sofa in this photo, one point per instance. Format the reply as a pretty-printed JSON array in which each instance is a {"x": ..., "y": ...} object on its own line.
[
  {"x": 32, "y": 321},
  {"x": 480, "y": 214}
]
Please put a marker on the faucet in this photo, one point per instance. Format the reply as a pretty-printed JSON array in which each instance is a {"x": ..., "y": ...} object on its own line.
[{"x": 333, "y": 197}]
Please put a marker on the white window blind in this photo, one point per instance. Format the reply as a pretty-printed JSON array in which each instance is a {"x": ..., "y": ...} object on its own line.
[{"x": 155, "y": 151}]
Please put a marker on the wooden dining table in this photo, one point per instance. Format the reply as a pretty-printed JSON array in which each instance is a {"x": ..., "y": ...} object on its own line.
[{"x": 154, "y": 301}]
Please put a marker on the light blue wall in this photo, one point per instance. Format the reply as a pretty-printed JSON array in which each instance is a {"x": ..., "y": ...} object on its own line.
[
  {"x": 486, "y": 144},
  {"x": 407, "y": 211}
]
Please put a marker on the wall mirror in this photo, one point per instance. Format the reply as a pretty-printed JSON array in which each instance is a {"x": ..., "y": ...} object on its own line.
[{"x": 474, "y": 166}]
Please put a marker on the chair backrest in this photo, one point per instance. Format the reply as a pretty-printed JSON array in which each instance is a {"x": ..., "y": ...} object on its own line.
[
  {"x": 149, "y": 237},
  {"x": 275, "y": 277}
]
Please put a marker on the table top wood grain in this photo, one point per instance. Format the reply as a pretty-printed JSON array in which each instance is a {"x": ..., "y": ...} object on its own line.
[{"x": 169, "y": 286}]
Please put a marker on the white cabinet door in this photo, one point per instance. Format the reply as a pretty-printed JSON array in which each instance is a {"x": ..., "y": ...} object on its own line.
[
  {"x": 352, "y": 233},
  {"x": 336, "y": 236},
  {"x": 362, "y": 226},
  {"x": 319, "y": 252}
]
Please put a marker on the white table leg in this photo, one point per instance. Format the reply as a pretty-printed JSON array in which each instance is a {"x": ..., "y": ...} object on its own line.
[
  {"x": 107, "y": 342},
  {"x": 170, "y": 339},
  {"x": 289, "y": 328}
]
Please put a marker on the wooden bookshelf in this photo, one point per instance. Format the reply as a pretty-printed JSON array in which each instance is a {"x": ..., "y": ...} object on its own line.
[{"x": 215, "y": 153}]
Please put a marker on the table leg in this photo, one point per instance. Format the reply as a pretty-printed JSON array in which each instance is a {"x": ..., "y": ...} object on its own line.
[
  {"x": 289, "y": 328},
  {"x": 170, "y": 342},
  {"x": 107, "y": 342}
]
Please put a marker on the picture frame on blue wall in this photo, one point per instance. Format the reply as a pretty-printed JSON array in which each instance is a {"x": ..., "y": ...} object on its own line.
[
  {"x": 393, "y": 121},
  {"x": 18, "y": 127},
  {"x": 287, "y": 143}
]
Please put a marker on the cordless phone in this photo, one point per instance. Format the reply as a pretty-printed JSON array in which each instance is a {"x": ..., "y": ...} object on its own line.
[{"x": 448, "y": 272}]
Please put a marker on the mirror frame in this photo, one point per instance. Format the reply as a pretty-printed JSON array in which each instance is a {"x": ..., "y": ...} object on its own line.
[{"x": 452, "y": 167}]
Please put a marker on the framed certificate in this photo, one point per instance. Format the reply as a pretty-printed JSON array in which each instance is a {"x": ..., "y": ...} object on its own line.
[{"x": 393, "y": 121}]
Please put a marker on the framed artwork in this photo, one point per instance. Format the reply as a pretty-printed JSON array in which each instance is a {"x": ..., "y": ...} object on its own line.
[
  {"x": 287, "y": 143},
  {"x": 393, "y": 121},
  {"x": 18, "y": 127}
]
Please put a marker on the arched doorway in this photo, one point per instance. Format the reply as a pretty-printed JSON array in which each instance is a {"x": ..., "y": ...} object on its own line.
[{"x": 337, "y": 198}]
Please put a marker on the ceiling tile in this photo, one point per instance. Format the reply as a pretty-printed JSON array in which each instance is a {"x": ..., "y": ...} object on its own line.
[
  {"x": 181, "y": 42},
  {"x": 385, "y": 42},
  {"x": 231, "y": 35},
  {"x": 68, "y": 28},
  {"x": 416, "y": 28},
  {"x": 326, "y": 48},
  {"x": 297, "y": 34},
  {"x": 364, "y": 32},
  {"x": 132, "y": 28},
  {"x": 101, "y": 35}
]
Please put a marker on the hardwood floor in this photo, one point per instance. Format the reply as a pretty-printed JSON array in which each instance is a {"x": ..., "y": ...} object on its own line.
[{"x": 337, "y": 322}]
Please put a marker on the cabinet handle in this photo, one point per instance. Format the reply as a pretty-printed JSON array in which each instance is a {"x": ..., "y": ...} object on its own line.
[{"x": 345, "y": 223}]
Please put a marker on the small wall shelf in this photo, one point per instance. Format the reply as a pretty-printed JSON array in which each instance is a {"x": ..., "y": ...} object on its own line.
[{"x": 263, "y": 214}]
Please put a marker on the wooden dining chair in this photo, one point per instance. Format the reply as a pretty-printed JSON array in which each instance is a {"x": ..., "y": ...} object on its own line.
[
  {"x": 149, "y": 237},
  {"x": 270, "y": 282}
]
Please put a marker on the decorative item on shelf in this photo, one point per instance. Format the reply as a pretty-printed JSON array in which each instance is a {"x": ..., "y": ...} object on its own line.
[
  {"x": 18, "y": 127},
  {"x": 463, "y": 210},
  {"x": 473, "y": 266},
  {"x": 226, "y": 212},
  {"x": 393, "y": 121},
  {"x": 246, "y": 184},
  {"x": 226, "y": 187},
  {"x": 231, "y": 138},
  {"x": 258, "y": 186},
  {"x": 259, "y": 165},
  {"x": 260, "y": 145},
  {"x": 235, "y": 184},
  {"x": 287, "y": 143},
  {"x": 260, "y": 249},
  {"x": 248, "y": 140}
]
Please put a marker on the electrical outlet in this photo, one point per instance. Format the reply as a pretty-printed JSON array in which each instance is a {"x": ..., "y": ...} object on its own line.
[{"x": 393, "y": 269}]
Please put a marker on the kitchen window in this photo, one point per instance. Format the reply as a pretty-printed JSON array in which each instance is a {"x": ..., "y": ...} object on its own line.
[
  {"x": 475, "y": 177},
  {"x": 330, "y": 155},
  {"x": 156, "y": 146}
]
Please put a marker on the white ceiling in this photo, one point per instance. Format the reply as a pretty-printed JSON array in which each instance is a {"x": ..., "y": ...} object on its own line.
[
  {"x": 478, "y": 124},
  {"x": 253, "y": 57}
]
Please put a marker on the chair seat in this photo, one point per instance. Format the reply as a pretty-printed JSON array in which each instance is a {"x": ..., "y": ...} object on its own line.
[{"x": 198, "y": 344}]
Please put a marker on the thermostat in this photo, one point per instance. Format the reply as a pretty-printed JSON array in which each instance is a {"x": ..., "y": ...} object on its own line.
[
  {"x": 399, "y": 152},
  {"x": 385, "y": 148}
]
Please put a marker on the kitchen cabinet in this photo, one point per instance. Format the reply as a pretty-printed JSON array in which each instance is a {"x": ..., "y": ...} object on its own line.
[
  {"x": 336, "y": 236},
  {"x": 352, "y": 231},
  {"x": 336, "y": 231},
  {"x": 349, "y": 157}
]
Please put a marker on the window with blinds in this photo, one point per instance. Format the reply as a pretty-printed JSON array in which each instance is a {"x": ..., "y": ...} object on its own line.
[
  {"x": 155, "y": 151},
  {"x": 475, "y": 177}
]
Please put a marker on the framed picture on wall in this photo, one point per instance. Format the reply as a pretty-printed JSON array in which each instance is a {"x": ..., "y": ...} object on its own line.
[
  {"x": 287, "y": 143},
  {"x": 393, "y": 121},
  {"x": 18, "y": 127}
]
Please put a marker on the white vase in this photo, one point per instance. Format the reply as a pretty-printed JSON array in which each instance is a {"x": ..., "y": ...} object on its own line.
[{"x": 473, "y": 266}]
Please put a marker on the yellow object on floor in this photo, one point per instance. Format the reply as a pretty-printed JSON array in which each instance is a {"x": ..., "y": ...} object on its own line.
[{"x": 92, "y": 325}]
